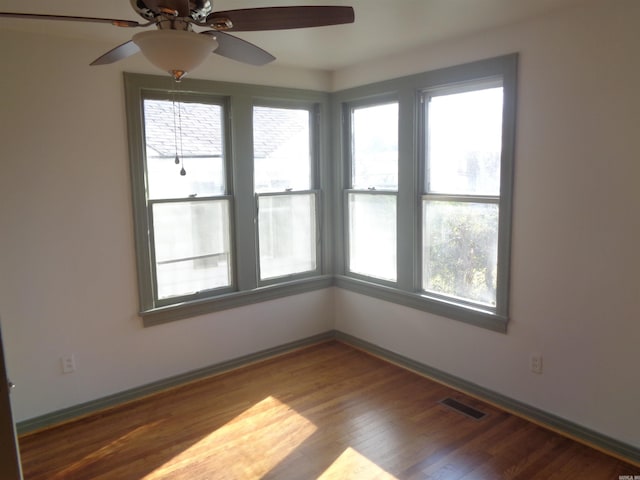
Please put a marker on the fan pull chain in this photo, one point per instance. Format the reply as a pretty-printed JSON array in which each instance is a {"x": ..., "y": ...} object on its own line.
[
  {"x": 177, "y": 129},
  {"x": 183, "y": 172}
]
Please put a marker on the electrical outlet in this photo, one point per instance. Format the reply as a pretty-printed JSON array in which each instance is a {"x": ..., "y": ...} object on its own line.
[
  {"x": 536, "y": 363},
  {"x": 68, "y": 363}
]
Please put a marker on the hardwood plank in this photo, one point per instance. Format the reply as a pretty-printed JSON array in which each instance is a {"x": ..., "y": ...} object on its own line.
[{"x": 327, "y": 411}]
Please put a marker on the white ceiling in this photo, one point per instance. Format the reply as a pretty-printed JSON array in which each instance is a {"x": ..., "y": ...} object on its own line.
[{"x": 381, "y": 28}]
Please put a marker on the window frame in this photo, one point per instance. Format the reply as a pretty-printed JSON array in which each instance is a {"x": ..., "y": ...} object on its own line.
[
  {"x": 314, "y": 186},
  {"x": 428, "y": 195},
  {"x": 239, "y": 100},
  {"x": 410, "y": 92},
  {"x": 348, "y": 109},
  {"x": 333, "y": 180},
  {"x": 150, "y": 253}
]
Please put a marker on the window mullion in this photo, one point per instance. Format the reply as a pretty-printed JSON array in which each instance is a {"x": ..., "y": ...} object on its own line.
[
  {"x": 245, "y": 214},
  {"x": 408, "y": 213}
]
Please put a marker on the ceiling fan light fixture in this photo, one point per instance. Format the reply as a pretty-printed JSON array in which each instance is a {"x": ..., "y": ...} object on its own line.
[{"x": 175, "y": 51}]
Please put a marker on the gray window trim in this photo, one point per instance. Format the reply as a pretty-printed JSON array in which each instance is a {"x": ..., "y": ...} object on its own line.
[
  {"x": 410, "y": 91},
  {"x": 415, "y": 300},
  {"x": 238, "y": 100},
  {"x": 332, "y": 181}
]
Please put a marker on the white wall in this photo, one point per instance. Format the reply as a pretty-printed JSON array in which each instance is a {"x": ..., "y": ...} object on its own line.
[
  {"x": 575, "y": 290},
  {"x": 67, "y": 264}
]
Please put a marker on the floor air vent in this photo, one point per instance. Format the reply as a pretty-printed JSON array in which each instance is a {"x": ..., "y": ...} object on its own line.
[{"x": 462, "y": 408}]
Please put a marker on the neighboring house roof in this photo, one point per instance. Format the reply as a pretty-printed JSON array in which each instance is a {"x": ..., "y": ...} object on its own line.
[
  {"x": 201, "y": 128},
  {"x": 273, "y": 128}
]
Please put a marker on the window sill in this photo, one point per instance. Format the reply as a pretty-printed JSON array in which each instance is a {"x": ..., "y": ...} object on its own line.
[
  {"x": 157, "y": 316},
  {"x": 477, "y": 317},
  {"x": 463, "y": 313}
]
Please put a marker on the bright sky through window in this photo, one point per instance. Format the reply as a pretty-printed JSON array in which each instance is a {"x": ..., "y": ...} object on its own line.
[
  {"x": 375, "y": 147},
  {"x": 465, "y": 141}
]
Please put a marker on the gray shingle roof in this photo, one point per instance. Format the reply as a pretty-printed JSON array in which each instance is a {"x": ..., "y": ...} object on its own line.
[
  {"x": 201, "y": 127},
  {"x": 273, "y": 128}
]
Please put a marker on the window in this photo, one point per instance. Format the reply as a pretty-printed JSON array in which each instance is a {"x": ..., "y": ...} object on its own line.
[
  {"x": 461, "y": 202},
  {"x": 189, "y": 210},
  {"x": 403, "y": 193},
  {"x": 287, "y": 221},
  {"x": 226, "y": 193},
  {"x": 371, "y": 201},
  {"x": 428, "y": 181}
]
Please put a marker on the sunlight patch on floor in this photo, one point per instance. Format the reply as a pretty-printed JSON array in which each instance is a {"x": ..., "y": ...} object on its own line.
[
  {"x": 249, "y": 446},
  {"x": 351, "y": 464}
]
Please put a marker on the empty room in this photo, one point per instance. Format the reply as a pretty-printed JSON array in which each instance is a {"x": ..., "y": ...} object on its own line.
[{"x": 350, "y": 239}]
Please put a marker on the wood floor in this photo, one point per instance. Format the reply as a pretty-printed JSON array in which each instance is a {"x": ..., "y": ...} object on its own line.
[{"x": 327, "y": 411}]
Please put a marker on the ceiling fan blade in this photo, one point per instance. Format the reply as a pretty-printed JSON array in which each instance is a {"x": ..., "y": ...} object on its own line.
[
  {"x": 120, "y": 52},
  {"x": 280, "y": 18},
  {"x": 36, "y": 16},
  {"x": 237, "y": 49}
]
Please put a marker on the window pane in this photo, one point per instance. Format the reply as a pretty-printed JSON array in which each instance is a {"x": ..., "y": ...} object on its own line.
[
  {"x": 287, "y": 233},
  {"x": 372, "y": 235},
  {"x": 460, "y": 249},
  {"x": 464, "y": 142},
  {"x": 194, "y": 132},
  {"x": 191, "y": 246},
  {"x": 281, "y": 149},
  {"x": 375, "y": 147}
]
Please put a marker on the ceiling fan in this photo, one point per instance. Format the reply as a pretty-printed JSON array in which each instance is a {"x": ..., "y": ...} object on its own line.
[{"x": 175, "y": 47}]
